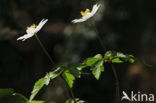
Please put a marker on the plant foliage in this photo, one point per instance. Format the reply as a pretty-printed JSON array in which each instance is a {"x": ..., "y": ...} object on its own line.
[{"x": 69, "y": 73}]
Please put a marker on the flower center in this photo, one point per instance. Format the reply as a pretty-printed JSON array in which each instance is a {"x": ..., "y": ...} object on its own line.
[
  {"x": 32, "y": 26},
  {"x": 84, "y": 13}
]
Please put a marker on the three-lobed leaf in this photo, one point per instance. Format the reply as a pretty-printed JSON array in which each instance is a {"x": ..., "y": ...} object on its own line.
[
  {"x": 74, "y": 70},
  {"x": 96, "y": 65},
  {"x": 97, "y": 69}
]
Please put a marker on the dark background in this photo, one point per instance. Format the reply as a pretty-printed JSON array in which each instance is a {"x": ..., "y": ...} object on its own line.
[{"x": 127, "y": 26}]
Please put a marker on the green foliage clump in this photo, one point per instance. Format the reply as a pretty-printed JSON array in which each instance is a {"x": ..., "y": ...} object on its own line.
[{"x": 70, "y": 73}]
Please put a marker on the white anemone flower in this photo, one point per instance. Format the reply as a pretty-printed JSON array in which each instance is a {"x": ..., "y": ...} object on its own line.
[
  {"x": 87, "y": 14},
  {"x": 32, "y": 30}
]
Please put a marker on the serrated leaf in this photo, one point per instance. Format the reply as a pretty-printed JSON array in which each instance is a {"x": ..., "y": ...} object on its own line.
[
  {"x": 38, "y": 85},
  {"x": 97, "y": 69},
  {"x": 34, "y": 101},
  {"x": 93, "y": 60},
  {"x": 69, "y": 78},
  {"x": 117, "y": 60},
  {"x": 8, "y": 96},
  {"x": 44, "y": 81},
  {"x": 77, "y": 101}
]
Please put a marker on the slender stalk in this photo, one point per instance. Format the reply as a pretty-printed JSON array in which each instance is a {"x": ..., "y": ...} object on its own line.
[
  {"x": 62, "y": 82},
  {"x": 113, "y": 68},
  {"x": 51, "y": 60},
  {"x": 45, "y": 51},
  {"x": 72, "y": 94},
  {"x": 100, "y": 40},
  {"x": 117, "y": 84}
]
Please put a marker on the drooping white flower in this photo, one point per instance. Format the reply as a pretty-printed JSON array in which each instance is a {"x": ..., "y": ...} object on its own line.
[
  {"x": 31, "y": 30},
  {"x": 87, "y": 14}
]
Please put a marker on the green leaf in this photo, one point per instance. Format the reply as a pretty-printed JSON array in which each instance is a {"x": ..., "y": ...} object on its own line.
[
  {"x": 114, "y": 54},
  {"x": 69, "y": 78},
  {"x": 44, "y": 81},
  {"x": 6, "y": 92},
  {"x": 38, "y": 85},
  {"x": 34, "y": 101},
  {"x": 93, "y": 60},
  {"x": 131, "y": 59},
  {"x": 77, "y": 101},
  {"x": 76, "y": 71},
  {"x": 117, "y": 60},
  {"x": 128, "y": 58},
  {"x": 8, "y": 96},
  {"x": 96, "y": 64},
  {"x": 110, "y": 54},
  {"x": 97, "y": 69},
  {"x": 81, "y": 66},
  {"x": 118, "y": 57}
]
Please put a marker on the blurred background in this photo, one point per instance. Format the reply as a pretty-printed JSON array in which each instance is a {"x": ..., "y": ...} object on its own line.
[{"x": 127, "y": 26}]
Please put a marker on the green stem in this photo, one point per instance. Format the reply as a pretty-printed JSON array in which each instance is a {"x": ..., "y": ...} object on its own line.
[
  {"x": 51, "y": 60},
  {"x": 113, "y": 68},
  {"x": 45, "y": 51}
]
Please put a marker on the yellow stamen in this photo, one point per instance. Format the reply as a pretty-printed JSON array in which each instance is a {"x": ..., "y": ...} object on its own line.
[
  {"x": 32, "y": 26},
  {"x": 83, "y": 13}
]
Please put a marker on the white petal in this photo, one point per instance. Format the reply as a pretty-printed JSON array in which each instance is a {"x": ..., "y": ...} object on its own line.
[
  {"x": 95, "y": 8},
  {"x": 31, "y": 31},
  {"x": 78, "y": 20},
  {"x": 88, "y": 15},
  {"x": 24, "y": 37},
  {"x": 40, "y": 25}
]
